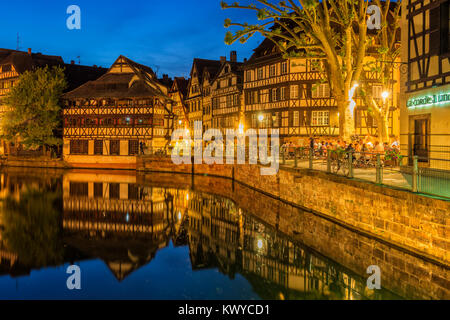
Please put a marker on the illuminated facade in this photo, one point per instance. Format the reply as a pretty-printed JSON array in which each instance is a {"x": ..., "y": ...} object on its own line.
[
  {"x": 292, "y": 96},
  {"x": 112, "y": 120},
  {"x": 425, "y": 108}
]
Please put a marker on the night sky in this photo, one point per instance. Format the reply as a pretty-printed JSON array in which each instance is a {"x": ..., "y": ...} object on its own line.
[{"x": 163, "y": 34}]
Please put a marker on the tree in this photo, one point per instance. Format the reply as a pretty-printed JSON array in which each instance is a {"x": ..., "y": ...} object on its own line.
[
  {"x": 388, "y": 54},
  {"x": 34, "y": 112},
  {"x": 334, "y": 31}
]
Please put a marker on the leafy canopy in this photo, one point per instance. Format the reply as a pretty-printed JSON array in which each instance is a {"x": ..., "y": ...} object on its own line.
[{"x": 34, "y": 111}]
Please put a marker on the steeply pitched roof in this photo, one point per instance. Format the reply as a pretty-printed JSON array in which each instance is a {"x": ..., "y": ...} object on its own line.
[
  {"x": 139, "y": 83},
  {"x": 213, "y": 67},
  {"x": 181, "y": 84},
  {"x": 24, "y": 61}
]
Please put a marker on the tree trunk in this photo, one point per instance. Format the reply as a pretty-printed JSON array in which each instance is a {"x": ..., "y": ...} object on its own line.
[
  {"x": 383, "y": 126},
  {"x": 346, "y": 120}
]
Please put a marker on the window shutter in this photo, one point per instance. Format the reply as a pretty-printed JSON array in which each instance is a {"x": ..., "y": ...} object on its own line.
[{"x": 435, "y": 34}]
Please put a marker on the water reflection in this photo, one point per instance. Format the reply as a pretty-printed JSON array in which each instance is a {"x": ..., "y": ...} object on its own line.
[{"x": 79, "y": 216}]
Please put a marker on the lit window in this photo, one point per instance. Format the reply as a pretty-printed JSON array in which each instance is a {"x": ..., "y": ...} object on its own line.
[{"x": 320, "y": 118}]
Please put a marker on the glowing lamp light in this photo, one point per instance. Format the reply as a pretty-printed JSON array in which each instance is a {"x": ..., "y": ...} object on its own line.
[
  {"x": 241, "y": 128},
  {"x": 187, "y": 196},
  {"x": 385, "y": 95},
  {"x": 179, "y": 215},
  {"x": 261, "y": 118},
  {"x": 179, "y": 121}
]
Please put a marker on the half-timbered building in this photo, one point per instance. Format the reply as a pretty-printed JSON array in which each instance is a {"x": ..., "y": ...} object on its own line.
[
  {"x": 177, "y": 94},
  {"x": 425, "y": 107},
  {"x": 13, "y": 63},
  {"x": 227, "y": 95},
  {"x": 294, "y": 96},
  {"x": 198, "y": 96},
  {"x": 115, "y": 118}
]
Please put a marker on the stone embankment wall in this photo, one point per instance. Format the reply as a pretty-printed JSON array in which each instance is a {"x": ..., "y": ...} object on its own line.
[
  {"x": 418, "y": 224},
  {"x": 405, "y": 274}
]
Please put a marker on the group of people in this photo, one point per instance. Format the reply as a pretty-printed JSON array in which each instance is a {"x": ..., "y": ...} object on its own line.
[{"x": 367, "y": 145}]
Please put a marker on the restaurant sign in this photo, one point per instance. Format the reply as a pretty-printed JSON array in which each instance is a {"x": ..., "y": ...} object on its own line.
[{"x": 429, "y": 100}]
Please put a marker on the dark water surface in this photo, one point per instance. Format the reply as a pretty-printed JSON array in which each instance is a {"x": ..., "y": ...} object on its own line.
[{"x": 152, "y": 237}]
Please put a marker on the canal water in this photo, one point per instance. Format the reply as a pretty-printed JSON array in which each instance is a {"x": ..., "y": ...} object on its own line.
[{"x": 175, "y": 237}]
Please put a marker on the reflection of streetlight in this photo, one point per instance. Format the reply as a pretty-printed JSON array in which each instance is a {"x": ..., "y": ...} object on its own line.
[
  {"x": 260, "y": 244},
  {"x": 261, "y": 118}
]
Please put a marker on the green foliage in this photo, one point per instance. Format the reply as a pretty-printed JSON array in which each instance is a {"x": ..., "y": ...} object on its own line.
[{"x": 34, "y": 111}]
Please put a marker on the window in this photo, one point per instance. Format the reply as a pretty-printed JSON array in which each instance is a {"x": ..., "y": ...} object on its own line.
[
  {"x": 321, "y": 91},
  {"x": 133, "y": 147},
  {"x": 114, "y": 146},
  {"x": 80, "y": 189},
  {"x": 249, "y": 76},
  {"x": 294, "y": 92},
  {"x": 260, "y": 74},
  {"x": 6, "y": 68},
  {"x": 274, "y": 95},
  {"x": 377, "y": 92},
  {"x": 264, "y": 96},
  {"x": 320, "y": 118},
  {"x": 114, "y": 191},
  {"x": 273, "y": 70},
  {"x": 296, "y": 119},
  {"x": 283, "y": 93},
  {"x": 133, "y": 192},
  {"x": 439, "y": 40},
  {"x": 98, "y": 190},
  {"x": 285, "y": 119},
  {"x": 98, "y": 147},
  {"x": 284, "y": 68},
  {"x": 79, "y": 147}
]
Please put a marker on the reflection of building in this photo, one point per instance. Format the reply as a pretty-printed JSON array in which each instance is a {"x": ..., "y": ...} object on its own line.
[
  {"x": 112, "y": 218},
  {"x": 425, "y": 109},
  {"x": 108, "y": 121},
  {"x": 222, "y": 236}
]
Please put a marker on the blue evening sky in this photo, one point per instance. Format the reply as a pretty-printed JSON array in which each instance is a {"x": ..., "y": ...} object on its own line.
[{"x": 165, "y": 35}]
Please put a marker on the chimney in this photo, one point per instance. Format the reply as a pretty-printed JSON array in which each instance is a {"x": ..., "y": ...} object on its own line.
[
  {"x": 29, "y": 51},
  {"x": 95, "y": 66},
  {"x": 245, "y": 60},
  {"x": 223, "y": 59},
  {"x": 72, "y": 62},
  {"x": 233, "y": 56},
  {"x": 165, "y": 77}
]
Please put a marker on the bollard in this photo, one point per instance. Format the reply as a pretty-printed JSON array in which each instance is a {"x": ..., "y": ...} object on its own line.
[
  {"x": 415, "y": 174},
  {"x": 311, "y": 156},
  {"x": 350, "y": 165},
  {"x": 295, "y": 159},
  {"x": 329, "y": 161},
  {"x": 379, "y": 172}
]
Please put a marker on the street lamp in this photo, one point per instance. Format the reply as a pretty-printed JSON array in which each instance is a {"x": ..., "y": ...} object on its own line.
[
  {"x": 385, "y": 95},
  {"x": 261, "y": 118}
]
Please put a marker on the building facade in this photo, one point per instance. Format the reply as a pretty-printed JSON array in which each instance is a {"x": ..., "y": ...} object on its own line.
[
  {"x": 227, "y": 104},
  {"x": 294, "y": 96},
  {"x": 13, "y": 63},
  {"x": 198, "y": 97},
  {"x": 425, "y": 108},
  {"x": 117, "y": 117}
]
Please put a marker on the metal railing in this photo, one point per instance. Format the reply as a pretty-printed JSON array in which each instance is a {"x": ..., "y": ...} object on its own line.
[{"x": 384, "y": 168}]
